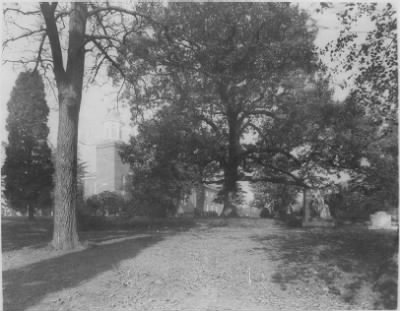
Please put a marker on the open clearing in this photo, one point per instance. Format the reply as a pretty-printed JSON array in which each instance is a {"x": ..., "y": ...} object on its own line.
[{"x": 209, "y": 264}]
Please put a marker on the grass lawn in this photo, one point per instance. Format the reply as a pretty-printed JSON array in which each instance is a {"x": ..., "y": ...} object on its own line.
[{"x": 206, "y": 264}]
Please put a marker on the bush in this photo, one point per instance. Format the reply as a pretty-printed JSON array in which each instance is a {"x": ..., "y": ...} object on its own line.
[
  {"x": 148, "y": 208},
  {"x": 104, "y": 204},
  {"x": 354, "y": 206},
  {"x": 90, "y": 222}
]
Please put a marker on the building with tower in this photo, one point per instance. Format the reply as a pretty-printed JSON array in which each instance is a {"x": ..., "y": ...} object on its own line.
[{"x": 111, "y": 173}]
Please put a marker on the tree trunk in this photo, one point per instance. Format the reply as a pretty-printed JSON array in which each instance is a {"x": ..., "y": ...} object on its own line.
[
  {"x": 65, "y": 234},
  {"x": 230, "y": 190},
  {"x": 231, "y": 166},
  {"x": 306, "y": 206},
  {"x": 200, "y": 198},
  {"x": 31, "y": 212},
  {"x": 69, "y": 85}
]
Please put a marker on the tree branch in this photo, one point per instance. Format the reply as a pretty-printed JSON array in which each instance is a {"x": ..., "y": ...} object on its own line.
[
  {"x": 109, "y": 8},
  {"x": 52, "y": 31},
  {"x": 6, "y": 10},
  {"x": 100, "y": 37},
  {"x": 266, "y": 149},
  {"x": 275, "y": 180},
  {"x": 109, "y": 58},
  {"x": 24, "y": 35},
  {"x": 39, "y": 56},
  {"x": 262, "y": 112},
  {"x": 210, "y": 123}
]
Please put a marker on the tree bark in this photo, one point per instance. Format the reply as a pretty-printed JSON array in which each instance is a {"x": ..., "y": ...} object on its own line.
[
  {"x": 65, "y": 234},
  {"x": 232, "y": 165},
  {"x": 69, "y": 85}
]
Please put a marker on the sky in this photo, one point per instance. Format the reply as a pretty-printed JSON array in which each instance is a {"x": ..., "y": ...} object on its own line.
[{"x": 97, "y": 99}]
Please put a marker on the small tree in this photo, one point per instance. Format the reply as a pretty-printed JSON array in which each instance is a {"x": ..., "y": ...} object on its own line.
[{"x": 28, "y": 168}]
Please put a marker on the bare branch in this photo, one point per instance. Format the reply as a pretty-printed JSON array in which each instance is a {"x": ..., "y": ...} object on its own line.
[
  {"x": 97, "y": 67},
  {"x": 24, "y": 35},
  {"x": 6, "y": 10},
  {"x": 109, "y": 58},
  {"x": 19, "y": 61},
  {"x": 39, "y": 56},
  {"x": 110, "y": 8},
  {"x": 101, "y": 37}
]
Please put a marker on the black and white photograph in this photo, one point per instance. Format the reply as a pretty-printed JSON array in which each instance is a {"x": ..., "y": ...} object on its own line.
[{"x": 202, "y": 156}]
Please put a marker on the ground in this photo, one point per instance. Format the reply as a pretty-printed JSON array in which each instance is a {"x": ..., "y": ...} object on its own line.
[{"x": 214, "y": 264}]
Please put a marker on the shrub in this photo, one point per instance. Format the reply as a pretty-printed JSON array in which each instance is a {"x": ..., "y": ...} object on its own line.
[
  {"x": 90, "y": 222},
  {"x": 352, "y": 205},
  {"x": 104, "y": 204}
]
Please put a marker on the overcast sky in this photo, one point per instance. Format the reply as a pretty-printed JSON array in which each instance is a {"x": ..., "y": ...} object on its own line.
[{"x": 97, "y": 99}]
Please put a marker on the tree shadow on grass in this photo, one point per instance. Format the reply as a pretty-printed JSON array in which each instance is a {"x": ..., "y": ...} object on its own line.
[
  {"x": 26, "y": 286},
  {"x": 340, "y": 260},
  {"x": 18, "y": 232}
]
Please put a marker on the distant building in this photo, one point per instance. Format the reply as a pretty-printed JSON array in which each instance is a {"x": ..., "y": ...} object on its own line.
[{"x": 111, "y": 174}]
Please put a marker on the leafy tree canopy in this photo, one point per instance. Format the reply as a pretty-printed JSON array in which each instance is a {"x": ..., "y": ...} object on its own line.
[
  {"x": 371, "y": 136},
  {"x": 227, "y": 67},
  {"x": 370, "y": 55}
]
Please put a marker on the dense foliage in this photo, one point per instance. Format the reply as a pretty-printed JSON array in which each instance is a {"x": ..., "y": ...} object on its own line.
[
  {"x": 168, "y": 157},
  {"x": 371, "y": 137},
  {"x": 104, "y": 204},
  {"x": 28, "y": 168},
  {"x": 228, "y": 69}
]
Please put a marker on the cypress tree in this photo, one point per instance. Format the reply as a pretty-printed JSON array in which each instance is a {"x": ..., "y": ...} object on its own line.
[{"x": 28, "y": 168}]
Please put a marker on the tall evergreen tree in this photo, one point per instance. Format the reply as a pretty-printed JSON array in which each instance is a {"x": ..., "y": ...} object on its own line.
[{"x": 28, "y": 169}]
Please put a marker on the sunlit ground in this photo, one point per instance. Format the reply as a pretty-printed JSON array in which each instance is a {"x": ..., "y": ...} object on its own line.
[{"x": 208, "y": 264}]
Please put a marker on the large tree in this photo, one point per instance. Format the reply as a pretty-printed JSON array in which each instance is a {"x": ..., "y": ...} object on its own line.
[
  {"x": 73, "y": 41},
  {"x": 64, "y": 34},
  {"x": 28, "y": 168},
  {"x": 224, "y": 65}
]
